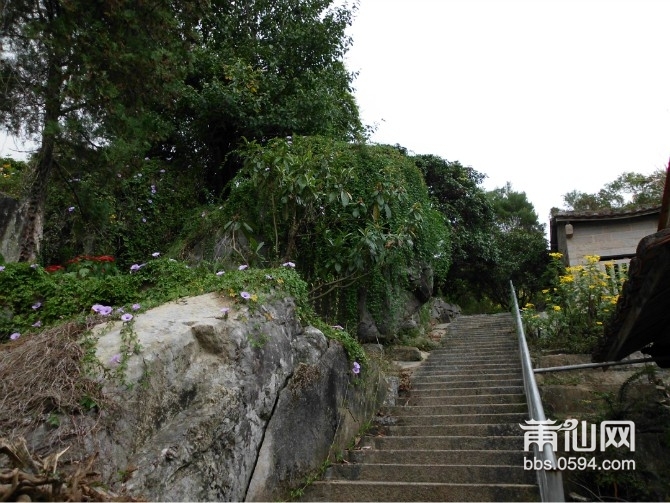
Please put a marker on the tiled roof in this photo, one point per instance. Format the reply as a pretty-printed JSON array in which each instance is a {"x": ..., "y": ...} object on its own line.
[{"x": 607, "y": 213}]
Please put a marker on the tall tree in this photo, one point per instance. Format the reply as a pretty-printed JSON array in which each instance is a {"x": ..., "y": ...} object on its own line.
[
  {"x": 627, "y": 191},
  {"x": 520, "y": 244},
  {"x": 456, "y": 192},
  {"x": 266, "y": 69},
  {"x": 77, "y": 75}
]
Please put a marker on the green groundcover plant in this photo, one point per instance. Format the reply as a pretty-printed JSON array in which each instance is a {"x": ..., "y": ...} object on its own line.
[
  {"x": 577, "y": 305},
  {"x": 33, "y": 298}
]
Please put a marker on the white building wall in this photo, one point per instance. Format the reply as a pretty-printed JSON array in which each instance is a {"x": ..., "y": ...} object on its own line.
[{"x": 608, "y": 238}]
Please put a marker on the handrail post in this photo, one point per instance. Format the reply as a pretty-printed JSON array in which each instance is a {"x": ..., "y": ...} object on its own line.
[{"x": 551, "y": 480}]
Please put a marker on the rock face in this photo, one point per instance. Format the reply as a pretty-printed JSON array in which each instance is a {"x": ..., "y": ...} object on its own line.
[
  {"x": 232, "y": 409},
  {"x": 443, "y": 312}
]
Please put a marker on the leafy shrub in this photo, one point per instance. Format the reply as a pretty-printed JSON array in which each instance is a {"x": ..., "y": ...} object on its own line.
[
  {"x": 350, "y": 216},
  {"x": 578, "y": 302}
]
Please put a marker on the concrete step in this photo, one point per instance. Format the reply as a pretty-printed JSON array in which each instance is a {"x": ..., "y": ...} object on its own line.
[
  {"x": 438, "y": 457},
  {"x": 458, "y": 429},
  {"x": 447, "y": 390},
  {"x": 457, "y": 362},
  {"x": 343, "y": 490},
  {"x": 469, "y": 371},
  {"x": 432, "y": 400},
  {"x": 465, "y": 349},
  {"x": 472, "y": 383},
  {"x": 451, "y": 367},
  {"x": 431, "y": 364},
  {"x": 460, "y": 473},
  {"x": 446, "y": 409},
  {"x": 475, "y": 377},
  {"x": 442, "y": 443},
  {"x": 460, "y": 419}
]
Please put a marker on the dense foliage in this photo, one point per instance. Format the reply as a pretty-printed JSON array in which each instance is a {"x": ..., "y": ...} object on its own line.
[
  {"x": 456, "y": 192},
  {"x": 264, "y": 69},
  {"x": 347, "y": 214},
  {"x": 496, "y": 237},
  {"x": 521, "y": 246}
]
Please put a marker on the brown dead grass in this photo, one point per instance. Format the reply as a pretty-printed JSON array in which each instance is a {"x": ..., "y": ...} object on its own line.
[{"x": 42, "y": 374}]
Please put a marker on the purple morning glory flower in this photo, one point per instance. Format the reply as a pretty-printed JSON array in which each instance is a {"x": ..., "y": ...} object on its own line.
[
  {"x": 15, "y": 336},
  {"x": 337, "y": 327},
  {"x": 127, "y": 317},
  {"x": 288, "y": 264},
  {"x": 70, "y": 209},
  {"x": 96, "y": 307},
  {"x": 136, "y": 307},
  {"x": 135, "y": 267},
  {"x": 37, "y": 305},
  {"x": 115, "y": 360},
  {"x": 33, "y": 266},
  {"x": 144, "y": 220},
  {"x": 156, "y": 254},
  {"x": 37, "y": 324},
  {"x": 245, "y": 295},
  {"x": 153, "y": 189},
  {"x": 2, "y": 268},
  {"x": 162, "y": 171},
  {"x": 105, "y": 310},
  {"x": 225, "y": 310},
  {"x": 357, "y": 368},
  {"x": 242, "y": 267},
  {"x": 221, "y": 273}
]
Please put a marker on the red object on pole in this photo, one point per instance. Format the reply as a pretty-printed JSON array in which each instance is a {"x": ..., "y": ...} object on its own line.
[{"x": 664, "y": 218}]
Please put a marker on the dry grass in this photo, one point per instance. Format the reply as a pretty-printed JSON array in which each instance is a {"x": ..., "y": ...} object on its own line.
[
  {"x": 35, "y": 478},
  {"x": 43, "y": 374}
]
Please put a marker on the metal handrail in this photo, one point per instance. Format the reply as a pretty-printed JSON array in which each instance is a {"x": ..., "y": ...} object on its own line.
[{"x": 549, "y": 480}]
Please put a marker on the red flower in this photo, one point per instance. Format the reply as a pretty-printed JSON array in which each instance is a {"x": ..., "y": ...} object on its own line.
[
  {"x": 104, "y": 258},
  {"x": 53, "y": 268}
]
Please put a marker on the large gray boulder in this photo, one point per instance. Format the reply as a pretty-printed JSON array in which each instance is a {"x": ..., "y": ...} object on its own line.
[{"x": 222, "y": 408}]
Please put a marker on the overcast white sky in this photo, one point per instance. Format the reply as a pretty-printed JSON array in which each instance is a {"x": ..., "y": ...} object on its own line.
[{"x": 549, "y": 95}]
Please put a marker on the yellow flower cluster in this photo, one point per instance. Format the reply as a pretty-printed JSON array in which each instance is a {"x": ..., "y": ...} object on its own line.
[
  {"x": 556, "y": 255},
  {"x": 592, "y": 259}
]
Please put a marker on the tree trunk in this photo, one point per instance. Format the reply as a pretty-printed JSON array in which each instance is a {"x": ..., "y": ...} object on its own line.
[{"x": 34, "y": 207}]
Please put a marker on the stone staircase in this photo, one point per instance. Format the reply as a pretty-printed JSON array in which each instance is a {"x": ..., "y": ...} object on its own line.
[{"x": 455, "y": 436}]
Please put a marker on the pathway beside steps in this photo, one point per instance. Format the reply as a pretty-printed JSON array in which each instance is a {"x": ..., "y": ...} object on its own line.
[{"x": 455, "y": 436}]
